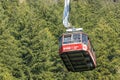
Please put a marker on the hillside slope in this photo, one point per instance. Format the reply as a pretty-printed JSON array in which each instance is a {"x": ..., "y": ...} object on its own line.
[{"x": 29, "y": 33}]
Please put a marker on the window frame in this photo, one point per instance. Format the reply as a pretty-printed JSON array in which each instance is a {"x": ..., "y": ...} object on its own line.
[
  {"x": 86, "y": 41},
  {"x": 72, "y": 39}
]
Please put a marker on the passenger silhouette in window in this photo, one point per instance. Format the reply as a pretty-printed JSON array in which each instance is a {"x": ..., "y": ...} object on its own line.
[
  {"x": 76, "y": 37},
  {"x": 67, "y": 39},
  {"x": 84, "y": 39}
]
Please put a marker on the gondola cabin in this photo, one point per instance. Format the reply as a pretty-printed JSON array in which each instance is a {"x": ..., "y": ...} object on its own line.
[{"x": 76, "y": 51}]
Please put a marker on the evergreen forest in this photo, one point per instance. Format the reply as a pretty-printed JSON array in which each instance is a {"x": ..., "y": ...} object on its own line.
[{"x": 29, "y": 33}]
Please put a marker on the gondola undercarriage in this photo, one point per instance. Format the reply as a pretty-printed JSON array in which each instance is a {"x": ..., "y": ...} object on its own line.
[{"x": 77, "y": 61}]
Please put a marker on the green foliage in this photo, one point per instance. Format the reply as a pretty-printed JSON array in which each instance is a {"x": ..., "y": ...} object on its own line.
[{"x": 29, "y": 33}]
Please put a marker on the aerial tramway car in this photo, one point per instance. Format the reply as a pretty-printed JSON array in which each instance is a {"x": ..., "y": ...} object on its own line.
[{"x": 76, "y": 51}]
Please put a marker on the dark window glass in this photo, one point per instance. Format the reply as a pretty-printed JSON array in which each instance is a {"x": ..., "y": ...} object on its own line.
[
  {"x": 84, "y": 39},
  {"x": 67, "y": 39},
  {"x": 76, "y": 37}
]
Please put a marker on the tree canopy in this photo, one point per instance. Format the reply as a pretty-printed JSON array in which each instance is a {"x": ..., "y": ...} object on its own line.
[{"x": 29, "y": 32}]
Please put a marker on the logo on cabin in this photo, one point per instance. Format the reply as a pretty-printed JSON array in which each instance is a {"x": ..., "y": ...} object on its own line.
[
  {"x": 66, "y": 48},
  {"x": 84, "y": 47}
]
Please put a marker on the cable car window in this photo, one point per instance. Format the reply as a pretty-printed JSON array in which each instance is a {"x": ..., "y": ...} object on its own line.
[
  {"x": 67, "y": 39},
  {"x": 84, "y": 39},
  {"x": 76, "y": 37}
]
